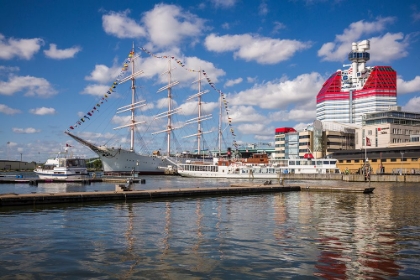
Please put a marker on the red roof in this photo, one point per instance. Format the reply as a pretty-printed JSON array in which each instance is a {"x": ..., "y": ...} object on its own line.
[
  {"x": 285, "y": 130},
  {"x": 382, "y": 81}
]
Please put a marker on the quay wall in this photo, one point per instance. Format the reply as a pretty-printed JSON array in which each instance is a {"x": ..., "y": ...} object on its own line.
[
  {"x": 316, "y": 176},
  {"x": 354, "y": 177}
]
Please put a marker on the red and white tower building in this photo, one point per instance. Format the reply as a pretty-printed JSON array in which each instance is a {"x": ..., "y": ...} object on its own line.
[{"x": 348, "y": 94}]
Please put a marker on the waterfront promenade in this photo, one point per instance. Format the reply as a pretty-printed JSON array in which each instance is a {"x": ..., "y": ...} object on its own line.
[{"x": 408, "y": 178}]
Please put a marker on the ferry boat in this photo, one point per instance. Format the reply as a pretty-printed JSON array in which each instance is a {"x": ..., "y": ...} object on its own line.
[
  {"x": 257, "y": 167},
  {"x": 63, "y": 168}
]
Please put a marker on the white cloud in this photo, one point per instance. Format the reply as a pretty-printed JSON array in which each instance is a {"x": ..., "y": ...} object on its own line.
[
  {"x": 43, "y": 111},
  {"x": 163, "y": 104},
  {"x": 245, "y": 114},
  {"x": 413, "y": 105},
  {"x": 121, "y": 26},
  {"x": 12, "y": 144},
  {"x": 223, "y": 3},
  {"x": 8, "y": 69},
  {"x": 55, "y": 53},
  {"x": 253, "y": 128},
  {"x": 191, "y": 108},
  {"x": 262, "y": 9},
  {"x": 251, "y": 79},
  {"x": 7, "y": 110},
  {"x": 168, "y": 25},
  {"x": 389, "y": 47},
  {"x": 226, "y": 25},
  {"x": 304, "y": 114},
  {"x": 95, "y": 90},
  {"x": 21, "y": 48},
  {"x": 260, "y": 49},
  {"x": 104, "y": 74},
  {"x": 32, "y": 85},
  {"x": 384, "y": 48},
  {"x": 277, "y": 26},
  {"x": 299, "y": 92},
  {"x": 415, "y": 15},
  {"x": 300, "y": 126},
  {"x": 164, "y": 25},
  {"x": 301, "y": 115},
  {"x": 408, "y": 86},
  {"x": 230, "y": 83},
  {"x": 28, "y": 130},
  {"x": 156, "y": 66}
]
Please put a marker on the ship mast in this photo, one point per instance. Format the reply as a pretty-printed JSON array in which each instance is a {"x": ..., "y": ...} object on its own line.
[
  {"x": 169, "y": 126},
  {"x": 134, "y": 105},
  {"x": 133, "y": 96},
  {"x": 220, "y": 125},
  {"x": 199, "y": 118},
  {"x": 170, "y": 111}
]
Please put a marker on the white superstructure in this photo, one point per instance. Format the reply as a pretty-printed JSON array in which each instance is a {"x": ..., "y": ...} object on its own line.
[
  {"x": 244, "y": 170},
  {"x": 350, "y": 93},
  {"x": 63, "y": 168}
]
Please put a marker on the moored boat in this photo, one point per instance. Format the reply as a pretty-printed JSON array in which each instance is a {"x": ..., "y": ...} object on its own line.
[
  {"x": 257, "y": 167},
  {"x": 63, "y": 168}
]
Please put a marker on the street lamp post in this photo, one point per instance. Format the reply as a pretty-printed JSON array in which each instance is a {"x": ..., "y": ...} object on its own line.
[
  {"x": 20, "y": 160},
  {"x": 402, "y": 158}
]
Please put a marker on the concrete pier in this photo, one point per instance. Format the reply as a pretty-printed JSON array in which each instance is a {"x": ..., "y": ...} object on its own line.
[
  {"x": 349, "y": 189},
  {"x": 337, "y": 189}
]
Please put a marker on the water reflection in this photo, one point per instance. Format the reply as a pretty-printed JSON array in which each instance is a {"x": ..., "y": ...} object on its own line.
[
  {"x": 353, "y": 240},
  {"x": 284, "y": 235}
]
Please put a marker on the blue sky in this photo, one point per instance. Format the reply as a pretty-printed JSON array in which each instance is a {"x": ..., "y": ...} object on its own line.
[{"x": 269, "y": 58}]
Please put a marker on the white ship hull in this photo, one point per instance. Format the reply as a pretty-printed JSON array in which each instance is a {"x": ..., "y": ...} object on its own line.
[
  {"x": 124, "y": 161},
  {"x": 62, "y": 174}
]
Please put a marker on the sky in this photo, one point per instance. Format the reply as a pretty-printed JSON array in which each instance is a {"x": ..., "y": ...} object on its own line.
[{"x": 267, "y": 59}]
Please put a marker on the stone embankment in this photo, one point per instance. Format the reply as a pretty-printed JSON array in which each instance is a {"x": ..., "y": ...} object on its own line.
[{"x": 355, "y": 177}]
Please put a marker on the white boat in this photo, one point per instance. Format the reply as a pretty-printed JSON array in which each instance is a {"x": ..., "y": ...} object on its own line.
[
  {"x": 63, "y": 168},
  {"x": 257, "y": 167}
]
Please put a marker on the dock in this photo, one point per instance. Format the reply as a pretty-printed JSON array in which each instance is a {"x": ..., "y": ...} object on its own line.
[
  {"x": 351, "y": 189},
  {"x": 337, "y": 189},
  {"x": 124, "y": 193},
  {"x": 82, "y": 197}
]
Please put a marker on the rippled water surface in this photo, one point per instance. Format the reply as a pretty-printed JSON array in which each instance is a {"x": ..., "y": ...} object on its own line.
[{"x": 319, "y": 235}]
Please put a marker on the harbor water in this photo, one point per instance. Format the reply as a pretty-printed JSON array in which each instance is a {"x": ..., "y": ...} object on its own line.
[{"x": 294, "y": 235}]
